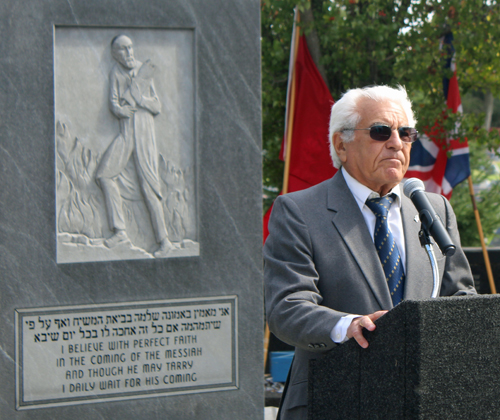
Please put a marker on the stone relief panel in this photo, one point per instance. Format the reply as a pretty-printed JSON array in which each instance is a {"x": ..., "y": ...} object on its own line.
[{"x": 124, "y": 144}]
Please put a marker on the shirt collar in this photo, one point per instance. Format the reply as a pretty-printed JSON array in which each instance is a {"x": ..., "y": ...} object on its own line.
[{"x": 362, "y": 193}]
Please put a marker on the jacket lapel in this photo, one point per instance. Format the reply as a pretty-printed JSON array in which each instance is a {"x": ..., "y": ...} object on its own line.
[{"x": 351, "y": 226}]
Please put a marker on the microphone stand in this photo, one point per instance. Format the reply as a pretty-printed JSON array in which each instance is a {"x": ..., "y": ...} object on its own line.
[{"x": 426, "y": 243}]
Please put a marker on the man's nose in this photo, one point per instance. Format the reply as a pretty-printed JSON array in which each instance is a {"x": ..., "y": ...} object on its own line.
[{"x": 394, "y": 142}]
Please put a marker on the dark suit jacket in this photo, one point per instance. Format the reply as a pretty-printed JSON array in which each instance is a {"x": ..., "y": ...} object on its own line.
[{"x": 321, "y": 264}]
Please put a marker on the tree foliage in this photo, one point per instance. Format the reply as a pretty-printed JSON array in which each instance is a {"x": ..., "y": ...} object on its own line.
[{"x": 365, "y": 42}]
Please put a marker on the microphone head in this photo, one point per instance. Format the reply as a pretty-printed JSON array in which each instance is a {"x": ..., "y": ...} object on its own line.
[{"x": 411, "y": 185}]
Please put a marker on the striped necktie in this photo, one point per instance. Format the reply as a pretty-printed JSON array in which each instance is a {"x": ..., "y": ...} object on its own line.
[{"x": 386, "y": 247}]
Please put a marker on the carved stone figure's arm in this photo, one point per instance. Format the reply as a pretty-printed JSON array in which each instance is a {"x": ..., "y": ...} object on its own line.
[{"x": 119, "y": 111}]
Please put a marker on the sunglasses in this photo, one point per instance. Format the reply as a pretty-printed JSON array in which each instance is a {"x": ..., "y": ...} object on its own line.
[{"x": 384, "y": 132}]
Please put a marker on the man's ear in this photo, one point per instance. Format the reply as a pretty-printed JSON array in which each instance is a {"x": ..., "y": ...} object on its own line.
[{"x": 339, "y": 146}]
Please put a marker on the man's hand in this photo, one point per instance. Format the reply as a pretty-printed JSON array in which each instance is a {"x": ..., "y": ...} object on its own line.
[
  {"x": 356, "y": 328},
  {"x": 127, "y": 111}
]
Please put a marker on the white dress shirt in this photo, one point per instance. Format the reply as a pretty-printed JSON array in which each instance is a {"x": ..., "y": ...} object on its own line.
[{"x": 362, "y": 193}]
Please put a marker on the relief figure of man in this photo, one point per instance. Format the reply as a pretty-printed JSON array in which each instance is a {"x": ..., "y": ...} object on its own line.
[{"x": 133, "y": 100}]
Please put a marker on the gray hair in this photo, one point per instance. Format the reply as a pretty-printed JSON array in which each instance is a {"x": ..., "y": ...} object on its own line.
[{"x": 344, "y": 113}]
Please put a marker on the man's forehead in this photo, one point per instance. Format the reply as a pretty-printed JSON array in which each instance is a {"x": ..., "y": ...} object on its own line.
[
  {"x": 122, "y": 41},
  {"x": 378, "y": 111}
]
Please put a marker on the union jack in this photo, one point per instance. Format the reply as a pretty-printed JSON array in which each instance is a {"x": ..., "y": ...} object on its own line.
[{"x": 442, "y": 167}]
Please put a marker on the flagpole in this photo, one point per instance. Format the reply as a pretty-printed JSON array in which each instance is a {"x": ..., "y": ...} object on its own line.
[
  {"x": 291, "y": 111},
  {"x": 481, "y": 237},
  {"x": 457, "y": 107},
  {"x": 288, "y": 144}
]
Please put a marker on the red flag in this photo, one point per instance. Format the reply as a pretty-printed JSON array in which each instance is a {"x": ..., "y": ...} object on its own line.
[{"x": 310, "y": 161}]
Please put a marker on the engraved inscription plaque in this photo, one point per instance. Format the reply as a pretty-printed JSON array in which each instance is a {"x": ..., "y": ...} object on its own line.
[
  {"x": 125, "y": 144},
  {"x": 93, "y": 353}
]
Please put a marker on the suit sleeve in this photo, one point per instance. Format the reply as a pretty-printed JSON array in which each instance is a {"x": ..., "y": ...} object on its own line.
[
  {"x": 114, "y": 95},
  {"x": 293, "y": 301},
  {"x": 116, "y": 103},
  {"x": 457, "y": 278}
]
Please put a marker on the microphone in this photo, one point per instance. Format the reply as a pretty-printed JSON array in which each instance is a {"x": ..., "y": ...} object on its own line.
[{"x": 414, "y": 189}]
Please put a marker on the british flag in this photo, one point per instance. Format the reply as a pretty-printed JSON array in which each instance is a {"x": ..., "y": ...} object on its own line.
[{"x": 442, "y": 166}]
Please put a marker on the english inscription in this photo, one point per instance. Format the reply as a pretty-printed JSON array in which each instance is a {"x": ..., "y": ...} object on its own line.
[{"x": 84, "y": 354}]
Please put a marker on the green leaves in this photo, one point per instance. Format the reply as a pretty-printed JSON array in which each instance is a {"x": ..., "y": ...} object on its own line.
[{"x": 366, "y": 42}]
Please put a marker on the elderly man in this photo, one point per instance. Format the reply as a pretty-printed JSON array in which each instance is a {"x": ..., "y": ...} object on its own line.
[
  {"x": 325, "y": 280},
  {"x": 133, "y": 100}
]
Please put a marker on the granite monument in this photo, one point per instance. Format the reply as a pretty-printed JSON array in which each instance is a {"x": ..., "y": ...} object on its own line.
[{"x": 130, "y": 210}]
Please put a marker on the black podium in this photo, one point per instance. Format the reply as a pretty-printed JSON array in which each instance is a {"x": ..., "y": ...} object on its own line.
[{"x": 432, "y": 359}]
